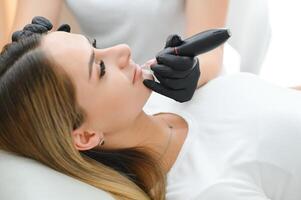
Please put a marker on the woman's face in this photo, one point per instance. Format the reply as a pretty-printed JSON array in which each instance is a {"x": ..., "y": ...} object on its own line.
[{"x": 112, "y": 102}]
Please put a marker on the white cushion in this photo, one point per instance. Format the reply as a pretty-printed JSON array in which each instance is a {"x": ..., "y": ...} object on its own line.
[{"x": 26, "y": 179}]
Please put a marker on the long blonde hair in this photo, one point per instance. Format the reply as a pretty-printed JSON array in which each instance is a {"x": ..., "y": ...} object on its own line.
[{"x": 38, "y": 112}]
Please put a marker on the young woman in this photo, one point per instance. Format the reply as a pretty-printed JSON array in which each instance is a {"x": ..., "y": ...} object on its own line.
[
  {"x": 68, "y": 104},
  {"x": 58, "y": 122}
]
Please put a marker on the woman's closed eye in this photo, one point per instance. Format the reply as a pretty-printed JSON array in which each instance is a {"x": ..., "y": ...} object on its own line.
[
  {"x": 102, "y": 69},
  {"x": 102, "y": 64}
]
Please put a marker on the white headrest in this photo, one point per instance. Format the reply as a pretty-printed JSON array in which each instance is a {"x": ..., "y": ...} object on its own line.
[{"x": 26, "y": 179}]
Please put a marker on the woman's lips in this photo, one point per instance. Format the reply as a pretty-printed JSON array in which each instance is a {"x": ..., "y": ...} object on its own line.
[{"x": 137, "y": 73}]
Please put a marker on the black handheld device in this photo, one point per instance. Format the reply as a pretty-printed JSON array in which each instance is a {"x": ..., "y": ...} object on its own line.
[{"x": 200, "y": 43}]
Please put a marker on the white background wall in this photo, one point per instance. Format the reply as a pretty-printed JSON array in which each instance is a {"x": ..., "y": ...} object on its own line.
[{"x": 282, "y": 64}]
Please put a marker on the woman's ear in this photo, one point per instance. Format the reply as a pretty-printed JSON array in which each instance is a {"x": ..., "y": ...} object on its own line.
[{"x": 86, "y": 139}]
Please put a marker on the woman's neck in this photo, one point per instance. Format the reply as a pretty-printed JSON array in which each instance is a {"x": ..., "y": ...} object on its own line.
[{"x": 153, "y": 132}]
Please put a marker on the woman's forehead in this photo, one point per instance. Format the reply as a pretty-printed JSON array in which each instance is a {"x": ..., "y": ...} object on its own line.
[
  {"x": 65, "y": 45},
  {"x": 60, "y": 40},
  {"x": 68, "y": 50}
]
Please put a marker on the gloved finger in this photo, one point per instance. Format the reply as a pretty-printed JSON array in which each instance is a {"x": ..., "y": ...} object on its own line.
[
  {"x": 17, "y": 35},
  {"x": 173, "y": 83},
  {"x": 159, "y": 88},
  {"x": 180, "y": 63},
  {"x": 35, "y": 28},
  {"x": 42, "y": 21},
  {"x": 177, "y": 95},
  {"x": 183, "y": 95},
  {"x": 166, "y": 71},
  {"x": 173, "y": 41},
  {"x": 65, "y": 28}
]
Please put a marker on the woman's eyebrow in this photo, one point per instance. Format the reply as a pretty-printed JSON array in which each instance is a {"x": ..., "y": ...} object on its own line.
[{"x": 91, "y": 60}]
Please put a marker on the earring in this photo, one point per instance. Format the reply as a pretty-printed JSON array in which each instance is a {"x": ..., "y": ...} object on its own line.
[{"x": 101, "y": 142}]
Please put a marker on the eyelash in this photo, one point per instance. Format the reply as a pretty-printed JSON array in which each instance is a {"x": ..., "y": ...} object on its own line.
[
  {"x": 102, "y": 64},
  {"x": 94, "y": 43},
  {"x": 102, "y": 69}
]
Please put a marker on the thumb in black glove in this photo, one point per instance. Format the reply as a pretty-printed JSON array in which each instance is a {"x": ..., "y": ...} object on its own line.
[{"x": 178, "y": 75}]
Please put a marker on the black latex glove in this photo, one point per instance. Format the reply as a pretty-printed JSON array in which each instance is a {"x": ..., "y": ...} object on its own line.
[
  {"x": 39, "y": 25},
  {"x": 178, "y": 75}
]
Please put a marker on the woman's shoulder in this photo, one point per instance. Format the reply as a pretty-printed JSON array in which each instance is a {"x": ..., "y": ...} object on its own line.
[
  {"x": 226, "y": 85},
  {"x": 236, "y": 84},
  {"x": 235, "y": 78}
]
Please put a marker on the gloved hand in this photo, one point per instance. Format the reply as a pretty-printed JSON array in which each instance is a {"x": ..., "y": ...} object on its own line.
[
  {"x": 178, "y": 75},
  {"x": 39, "y": 25}
]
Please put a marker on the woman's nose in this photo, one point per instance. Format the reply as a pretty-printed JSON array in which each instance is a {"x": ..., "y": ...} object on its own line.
[{"x": 123, "y": 55}]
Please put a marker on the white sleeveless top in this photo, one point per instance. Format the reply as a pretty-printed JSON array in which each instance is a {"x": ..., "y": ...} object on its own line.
[
  {"x": 243, "y": 142},
  {"x": 142, "y": 24}
]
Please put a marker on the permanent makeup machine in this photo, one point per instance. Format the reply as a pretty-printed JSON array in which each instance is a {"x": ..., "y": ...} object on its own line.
[{"x": 196, "y": 45}]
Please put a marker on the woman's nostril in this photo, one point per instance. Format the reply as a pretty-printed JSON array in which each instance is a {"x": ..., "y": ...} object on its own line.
[
  {"x": 122, "y": 53},
  {"x": 123, "y": 62},
  {"x": 125, "y": 56}
]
